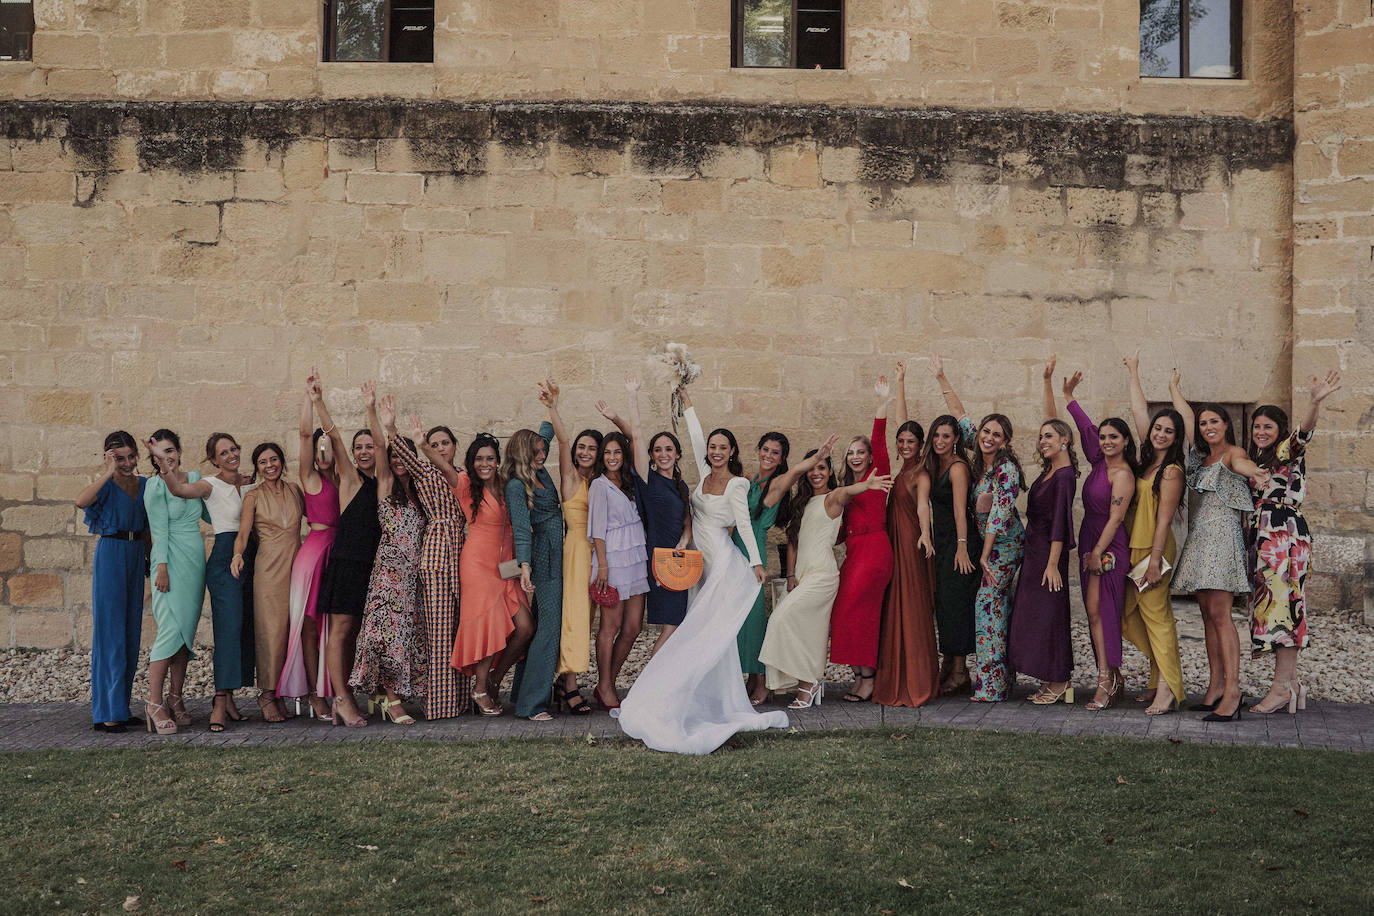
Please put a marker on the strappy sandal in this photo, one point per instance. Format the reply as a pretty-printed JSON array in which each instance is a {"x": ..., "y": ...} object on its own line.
[
  {"x": 482, "y": 708},
  {"x": 1113, "y": 689},
  {"x": 220, "y": 710},
  {"x": 167, "y": 726},
  {"x": 573, "y": 702},
  {"x": 389, "y": 708},
  {"x": 851, "y": 696},
  {"x": 178, "y": 709},
  {"x": 540, "y": 717},
  {"x": 271, "y": 712}
]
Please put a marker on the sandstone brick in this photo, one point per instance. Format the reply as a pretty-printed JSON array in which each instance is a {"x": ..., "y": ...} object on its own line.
[
  {"x": 35, "y": 590},
  {"x": 36, "y": 521},
  {"x": 41, "y": 629},
  {"x": 394, "y": 301},
  {"x": 54, "y": 553},
  {"x": 10, "y": 546},
  {"x": 61, "y": 407},
  {"x": 1099, "y": 206},
  {"x": 794, "y": 166},
  {"x": 465, "y": 259},
  {"x": 781, "y": 267},
  {"x": 378, "y": 188}
]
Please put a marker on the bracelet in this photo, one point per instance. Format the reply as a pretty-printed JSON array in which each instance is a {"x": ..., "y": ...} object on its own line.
[
  {"x": 946, "y": 390},
  {"x": 237, "y": 556},
  {"x": 963, "y": 540}
]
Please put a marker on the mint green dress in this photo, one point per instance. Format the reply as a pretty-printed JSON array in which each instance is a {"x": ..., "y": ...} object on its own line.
[
  {"x": 175, "y": 525},
  {"x": 750, "y": 638}
]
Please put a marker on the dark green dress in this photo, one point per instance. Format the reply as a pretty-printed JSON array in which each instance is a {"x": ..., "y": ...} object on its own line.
[
  {"x": 954, "y": 592},
  {"x": 750, "y": 638},
  {"x": 538, "y": 535}
]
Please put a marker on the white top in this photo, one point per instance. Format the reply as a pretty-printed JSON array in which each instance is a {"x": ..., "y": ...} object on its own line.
[{"x": 225, "y": 504}]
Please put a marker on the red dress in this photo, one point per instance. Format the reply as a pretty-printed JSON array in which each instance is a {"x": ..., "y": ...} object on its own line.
[{"x": 858, "y": 610}]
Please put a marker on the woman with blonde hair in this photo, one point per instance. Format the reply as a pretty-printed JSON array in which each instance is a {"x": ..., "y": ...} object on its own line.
[{"x": 536, "y": 522}]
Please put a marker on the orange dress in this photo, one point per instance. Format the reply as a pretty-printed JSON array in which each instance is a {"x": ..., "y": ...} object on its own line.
[{"x": 487, "y": 603}]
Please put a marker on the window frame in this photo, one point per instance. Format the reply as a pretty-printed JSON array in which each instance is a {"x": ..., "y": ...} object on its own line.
[
  {"x": 1185, "y": 39},
  {"x": 329, "y": 33},
  {"x": 33, "y": 28},
  {"x": 737, "y": 38}
]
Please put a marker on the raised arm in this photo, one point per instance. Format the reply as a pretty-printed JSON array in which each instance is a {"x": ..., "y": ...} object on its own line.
[
  {"x": 636, "y": 430},
  {"x": 1087, "y": 430},
  {"x": 1048, "y": 388},
  {"x": 306, "y": 460},
  {"x": 937, "y": 369},
  {"x": 88, "y": 495},
  {"x": 780, "y": 484},
  {"x": 882, "y": 462},
  {"x": 167, "y": 473},
  {"x": 1182, "y": 406},
  {"x": 374, "y": 423},
  {"x": 343, "y": 466},
  {"x": 437, "y": 462},
  {"x": 698, "y": 438},
  {"x": 1140, "y": 408},
  {"x": 567, "y": 468},
  {"x": 900, "y": 414},
  {"x": 1321, "y": 389},
  {"x": 837, "y": 499}
]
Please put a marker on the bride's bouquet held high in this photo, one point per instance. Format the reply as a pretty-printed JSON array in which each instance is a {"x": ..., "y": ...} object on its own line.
[{"x": 685, "y": 371}]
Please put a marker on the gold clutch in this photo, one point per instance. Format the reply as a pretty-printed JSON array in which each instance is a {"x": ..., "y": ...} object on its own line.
[{"x": 1137, "y": 573}]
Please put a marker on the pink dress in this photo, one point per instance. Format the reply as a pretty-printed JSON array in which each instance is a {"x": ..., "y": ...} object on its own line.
[{"x": 307, "y": 571}]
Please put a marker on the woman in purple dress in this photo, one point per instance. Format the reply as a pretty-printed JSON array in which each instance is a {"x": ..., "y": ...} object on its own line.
[
  {"x": 1107, "y": 494},
  {"x": 1039, "y": 643}
]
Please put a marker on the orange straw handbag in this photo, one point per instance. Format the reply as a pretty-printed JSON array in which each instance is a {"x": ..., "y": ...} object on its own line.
[{"x": 677, "y": 570}]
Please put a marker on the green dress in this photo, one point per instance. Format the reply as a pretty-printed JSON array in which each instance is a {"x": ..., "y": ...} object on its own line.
[
  {"x": 175, "y": 525},
  {"x": 750, "y": 637}
]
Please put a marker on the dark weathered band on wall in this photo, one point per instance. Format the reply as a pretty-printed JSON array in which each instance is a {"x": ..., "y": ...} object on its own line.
[{"x": 897, "y": 145}]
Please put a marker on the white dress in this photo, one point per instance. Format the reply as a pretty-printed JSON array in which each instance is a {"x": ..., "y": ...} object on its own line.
[
  {"x": 799, "y": 630},
  {"x": 690, "y": 698}
]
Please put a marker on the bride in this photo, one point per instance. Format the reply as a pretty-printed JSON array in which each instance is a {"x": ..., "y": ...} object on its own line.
[{"x": 690, "y": 698}]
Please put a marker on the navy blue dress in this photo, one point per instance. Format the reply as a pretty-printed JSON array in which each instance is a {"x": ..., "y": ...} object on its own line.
[
  {"x": 116, "y": 598},
  {"x": 664, "y": 513}
]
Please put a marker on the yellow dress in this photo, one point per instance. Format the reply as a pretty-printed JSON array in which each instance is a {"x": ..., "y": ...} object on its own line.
[
  {"x": 574, "y": 652},
  {"x": 1147, "y": 619}
]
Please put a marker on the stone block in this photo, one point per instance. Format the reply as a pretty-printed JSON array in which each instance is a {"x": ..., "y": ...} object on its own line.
[
  {"x": 1204, "y": 210},
  {"x": 11, "y": 544},
  {"x": 54, "y": 553},
  {"x": 398, "y": 301},
  {"x": 794, "y": 166},
  {"x": 380, "y": 188},
  {"x": 200, "y": 50},
  {"x": 35, "y": 590},
  {"x": 1101, "y": 206},
  {"x": 36, "y": 521},
  {"x": 64, "y": 408},
  {"x": 465, "y": 258},
  {"x": 42, "y": 629},
  {"x": 59, "y": 486}
]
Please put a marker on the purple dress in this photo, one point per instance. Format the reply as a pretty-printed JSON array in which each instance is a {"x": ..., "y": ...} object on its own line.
[
  {"x": 612, "y": 517},
  {"x": 1097, "y": 508},
  {"x": 1040, "y": 645}
]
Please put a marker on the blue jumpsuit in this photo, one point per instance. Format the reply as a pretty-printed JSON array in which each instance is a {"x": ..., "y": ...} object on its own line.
[{"x": 117, "y": 582}]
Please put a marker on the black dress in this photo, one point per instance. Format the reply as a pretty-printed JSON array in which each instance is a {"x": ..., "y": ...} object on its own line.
[
  {"x": 343, "y": 590},
  {"x": 954, "y": 591},
  {"x": 664, "y": 513}
]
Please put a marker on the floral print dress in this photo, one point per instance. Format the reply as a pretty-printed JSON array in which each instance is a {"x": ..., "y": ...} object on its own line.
[
  {"x": 994, "y": 504},
  {"x": 1281, "y": 552},
  {"x": 393, "y": 647}
]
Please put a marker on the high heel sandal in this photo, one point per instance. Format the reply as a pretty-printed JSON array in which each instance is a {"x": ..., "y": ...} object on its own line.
[
  {"x": 270, "y": 711},
  {"x": 178, "y": 709},
  {"x": 596, "y": 695},
  {"x": 389, "y": 708},
  {"x": 338, "y": 717},
  {"x": 851, "y": 696},
  {"x": 1218, "y": 717},
  {"x": 230, "y": 709},
  {"x": 1046, "y": 697},
  {"x": 482, "y": 709},
  {"x": 220, "y": 708},
  {"x": 813, "y": 697},
  {"x": 316, "y": 714},
  {"x": 572, "y": 702},
  {"x": 166, "y": 727},
  {"x": 954, "y": 687},
  {"x": 1297, "y": 699},
  {"x": 1113, "y": 688}
]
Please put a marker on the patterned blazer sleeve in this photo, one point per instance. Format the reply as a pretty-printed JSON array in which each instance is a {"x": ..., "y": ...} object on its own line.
[
  {"x": 1005, "y": 486},
  {"x": 519, "y": 511},
  {"x": 969, "y": 431}
]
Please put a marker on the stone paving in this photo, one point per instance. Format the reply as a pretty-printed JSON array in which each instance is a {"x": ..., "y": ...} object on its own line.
[{"x": 1337, "y": 726}]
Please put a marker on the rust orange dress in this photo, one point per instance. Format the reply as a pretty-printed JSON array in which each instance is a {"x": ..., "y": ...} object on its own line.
[
  {"x": 908, "y": 664},
  {"x": 488, "y": 602}
]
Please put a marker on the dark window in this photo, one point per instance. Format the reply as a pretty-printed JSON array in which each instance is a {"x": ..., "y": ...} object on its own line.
[
  {"x": 802, "y": 34},
  {"x": 16, "y": 30},
  {"x": 389, "y": 30},
  {"x": 1197, "y": 38}
]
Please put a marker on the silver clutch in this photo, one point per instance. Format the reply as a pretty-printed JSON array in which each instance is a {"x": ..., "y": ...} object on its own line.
[{"x": 1137, "y": 573}]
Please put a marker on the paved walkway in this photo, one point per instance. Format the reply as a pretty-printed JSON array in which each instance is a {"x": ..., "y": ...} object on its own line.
[{"x": 1339, "y": 726}]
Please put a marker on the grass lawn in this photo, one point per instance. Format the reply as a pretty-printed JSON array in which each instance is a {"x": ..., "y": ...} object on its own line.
[{"x": 863, "y": 822}]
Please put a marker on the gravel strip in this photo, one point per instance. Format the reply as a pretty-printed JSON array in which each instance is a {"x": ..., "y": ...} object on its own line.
[{"x": 1338, "y": 666}]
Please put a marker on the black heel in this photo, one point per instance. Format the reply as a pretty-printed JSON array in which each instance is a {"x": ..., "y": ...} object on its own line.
[{"x": 572, "y": 702}]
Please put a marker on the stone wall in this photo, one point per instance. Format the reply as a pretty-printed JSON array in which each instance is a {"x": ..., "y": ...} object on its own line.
[
  {"x": 186, "y": 264},
  {"x": 1039, "y": 54},
  {"x": 1333, "y": 283}
]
